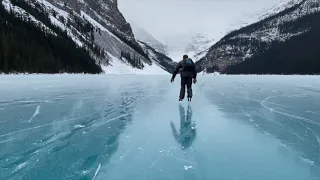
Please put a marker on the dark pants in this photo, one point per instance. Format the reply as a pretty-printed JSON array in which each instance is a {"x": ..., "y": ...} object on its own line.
[{"x": 186, "y": 81}]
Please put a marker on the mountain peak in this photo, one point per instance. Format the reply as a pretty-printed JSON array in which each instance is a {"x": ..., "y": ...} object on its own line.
[
  {"x": 279, "y": 7},
  {"x": 198, "y": 46},
  {"x": 284, "y": 22},
  {"x": 144, "y": 36}
]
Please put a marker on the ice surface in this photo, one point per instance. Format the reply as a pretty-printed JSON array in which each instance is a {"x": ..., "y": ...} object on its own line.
[{"x": 132, "y": 127}]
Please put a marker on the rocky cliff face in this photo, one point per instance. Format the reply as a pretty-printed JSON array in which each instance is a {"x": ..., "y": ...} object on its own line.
[
  {"x": 97, "y": 25},
  {"x": 144, "y": 36},
  {"x": 105, "y": 12},
  {"x": 255, "y": 39},
  {"x": 160, "y": 59}
]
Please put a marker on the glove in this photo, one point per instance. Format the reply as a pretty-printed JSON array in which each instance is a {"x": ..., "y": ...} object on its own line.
[
  {"x": 172, "y": 79},
  {"x": 194, "y": 81}
]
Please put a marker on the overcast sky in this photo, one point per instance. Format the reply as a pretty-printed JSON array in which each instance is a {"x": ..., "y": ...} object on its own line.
[{"x": 168, "y": 20}]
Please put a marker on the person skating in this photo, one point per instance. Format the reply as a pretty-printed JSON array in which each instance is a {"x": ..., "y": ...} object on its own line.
[{"x": 188, "y": 74}]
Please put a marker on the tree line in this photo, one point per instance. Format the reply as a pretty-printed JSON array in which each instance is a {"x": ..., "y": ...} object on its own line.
[
  {"x": 27, "y": 48},
  {"x": 83, "y": 26},
  {"x": 134, "y": 46},
  {"x": 133, "y": 61},
  {"x": 298, "y": 55}
]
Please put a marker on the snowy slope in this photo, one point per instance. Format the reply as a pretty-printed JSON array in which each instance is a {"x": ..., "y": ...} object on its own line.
[
  {"x": 198, "y": 46},
  {"x": 195, "y": 46},
  {"x": 56, "y": 20},
  {"x": 159, "y": 59},
  {"x": 73, "y": 32},
  {"x": 119, "y": 67},
  {"x": 27, "y": 16},
  {"x": 144, "y": 36},
  {"x": 251, "y": 40},
  {"x": 280, "y": 7},
  {"x": 111, "y": 34}
]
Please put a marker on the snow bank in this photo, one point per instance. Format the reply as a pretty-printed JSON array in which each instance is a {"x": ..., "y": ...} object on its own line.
[{"x": 119, "y": 67}]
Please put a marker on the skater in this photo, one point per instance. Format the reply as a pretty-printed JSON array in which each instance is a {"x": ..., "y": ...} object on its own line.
[{"x": 188, "y": 74}]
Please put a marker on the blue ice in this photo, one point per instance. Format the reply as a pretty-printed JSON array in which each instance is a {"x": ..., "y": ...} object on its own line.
[{"x": 123, "y": 127}]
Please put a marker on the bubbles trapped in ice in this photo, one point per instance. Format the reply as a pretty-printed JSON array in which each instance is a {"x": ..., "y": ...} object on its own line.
[
  {"x": 187, "y": 167},
  {"x": 140, "y": 150},
  {"x": 79, "y": 126},
  {"x": 84, "y": 172},
  {"x": 137, "y": 112},
  {"x": 20, "y": 166}
]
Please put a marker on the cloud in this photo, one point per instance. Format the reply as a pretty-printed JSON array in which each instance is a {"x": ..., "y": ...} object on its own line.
[{"x": 179, "y": 19}]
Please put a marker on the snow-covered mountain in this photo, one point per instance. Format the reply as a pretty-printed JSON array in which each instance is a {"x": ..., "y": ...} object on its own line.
[
  {"x": 97, "y": 20},
  {"x": 198, "y": 46},
  {"x": 144, "y": 36},
  {"x": 279, "y": 7},
  {"x": 294, "y": 20},
  {"x": 162, "y": 64},
  {"x": 160, "y": 59}
]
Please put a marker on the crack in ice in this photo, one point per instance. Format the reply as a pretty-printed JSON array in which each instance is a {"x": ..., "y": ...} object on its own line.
[
  {"x": 1, "y": 142},
  {"x": 36, "y": 112},
  {"x": 152, "y": 164},
  {"x": 184, "y": 160},
  {"x": 97, "y": 171},
  {"x": 288, "y": 115},
  {"x": 44, "y": 125}
]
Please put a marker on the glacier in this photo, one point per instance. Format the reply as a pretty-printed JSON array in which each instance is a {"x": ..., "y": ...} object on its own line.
[{"x": 133, "y": 127}]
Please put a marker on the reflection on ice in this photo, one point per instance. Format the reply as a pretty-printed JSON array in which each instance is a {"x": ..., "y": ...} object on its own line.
[{"x": 187, "y": 133}]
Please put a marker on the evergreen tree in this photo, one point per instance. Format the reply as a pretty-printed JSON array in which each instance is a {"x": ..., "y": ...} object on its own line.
[
  {"x": 298, "y": 55},
  {"x": 24, "y": 47}
]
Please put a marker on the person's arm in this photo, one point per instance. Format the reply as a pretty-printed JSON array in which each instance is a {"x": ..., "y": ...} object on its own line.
[
  {"x": 194, "y": 72},
  {"x": 175, "y": 72}
]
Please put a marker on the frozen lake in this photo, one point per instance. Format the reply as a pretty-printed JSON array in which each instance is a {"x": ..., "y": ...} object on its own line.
[{"x": 132, "y": 127}]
